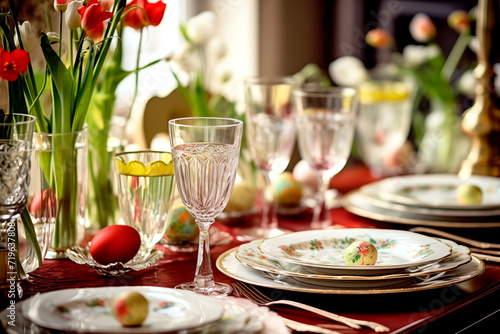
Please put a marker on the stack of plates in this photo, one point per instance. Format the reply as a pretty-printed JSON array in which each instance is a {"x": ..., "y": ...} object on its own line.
[
  {"x": 313, "y": 261},
  {"x": 427, "y": 200},
  {"x": 170, "y": 311}
]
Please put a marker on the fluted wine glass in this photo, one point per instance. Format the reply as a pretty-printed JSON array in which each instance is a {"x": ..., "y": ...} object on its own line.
[
  {"x": 325, "y": 135},
  {"x": 205, "y": 152},
  {"x": 270, "y": 133}
]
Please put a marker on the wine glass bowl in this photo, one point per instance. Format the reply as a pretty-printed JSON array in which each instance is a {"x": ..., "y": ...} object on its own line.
[
  {"x": 205, "y": 151},
  {"x": 326, "y": 122},
  {"x": 270, "y": 133},
  {"x": 145, "y": 188}
]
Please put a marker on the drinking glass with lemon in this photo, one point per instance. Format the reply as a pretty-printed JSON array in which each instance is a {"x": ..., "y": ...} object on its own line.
[{"x": 145, "y": 192}]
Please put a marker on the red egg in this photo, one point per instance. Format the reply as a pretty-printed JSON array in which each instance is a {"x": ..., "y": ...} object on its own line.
[{"x": 115, "y": 243}]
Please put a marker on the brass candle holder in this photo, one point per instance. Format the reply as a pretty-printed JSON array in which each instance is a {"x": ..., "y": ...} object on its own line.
[{"x": 481, "y": 122}]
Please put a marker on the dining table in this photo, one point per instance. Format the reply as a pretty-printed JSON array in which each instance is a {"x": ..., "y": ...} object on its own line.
[{"x": 467, "y": 307}]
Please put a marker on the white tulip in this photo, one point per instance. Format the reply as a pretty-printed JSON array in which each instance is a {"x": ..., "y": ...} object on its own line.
[
  {"x": 201, "y": 28},
  {"x": 348, "y": 71},
  {"x": 467, "y": 84},
  {"x": 185, "y": 58},
  {"x": 27, "y": 36},
  {"x": 72, "y": 16},
  {"x": 216, "y": 48}
]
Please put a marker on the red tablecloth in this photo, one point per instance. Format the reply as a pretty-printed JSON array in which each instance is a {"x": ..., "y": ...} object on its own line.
[{"x": 400, "y": 312}]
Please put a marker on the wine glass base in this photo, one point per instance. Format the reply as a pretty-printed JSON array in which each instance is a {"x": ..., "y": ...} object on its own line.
[
  {"x": 254, "y": 233},
  {"x": 220, "y": 289}
]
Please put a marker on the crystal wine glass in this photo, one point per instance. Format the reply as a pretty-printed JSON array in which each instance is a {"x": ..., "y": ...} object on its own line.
[
  {"x": 270, "y": 132},
  {"x": 16, "y": 133},
  {"x": 205, "y": 152},
  {"x": 327, "y": 121}
]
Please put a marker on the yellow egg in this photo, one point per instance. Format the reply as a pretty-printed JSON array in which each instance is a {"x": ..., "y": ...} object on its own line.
[
  {"x": 242, "y": 198},
  {"x": 287, "y": 191},
  {"x": 360, "y": 253},
  {"x": 469, "y": 194},
  {"x": 130, "y": 308}
]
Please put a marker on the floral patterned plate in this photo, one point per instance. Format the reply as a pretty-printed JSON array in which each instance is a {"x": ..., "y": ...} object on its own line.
[
  {"x": 322, "y": 252},
  {"x": 229, "y": 266},
  {"x": 87, "y": 310},
  {"x": 250, "y": 256}
]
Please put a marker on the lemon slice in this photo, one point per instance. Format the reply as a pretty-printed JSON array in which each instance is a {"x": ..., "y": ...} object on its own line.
[
  {"x": 162, "y": 167},
  {"x": 371, "y": 92},
  {"x": 135, "y": 168},
  {"x": 159, "y": 168}
]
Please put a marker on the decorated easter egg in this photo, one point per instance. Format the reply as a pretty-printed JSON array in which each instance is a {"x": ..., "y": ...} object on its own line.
[
  {"x": 242, "y": 198},
  {"x": 287, "y": 191},
  {"x": 115, "y": 243},
  {"x": 306, "y": 175},
  {"x": 182, "y": 227},
  {"x": 360, "y": 253},
  {"x": 469, "y": 194},
  {"x": 130, "y": 308}
]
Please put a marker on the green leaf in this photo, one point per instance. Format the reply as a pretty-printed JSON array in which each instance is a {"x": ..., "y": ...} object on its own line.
[
  {"x": 29, "y": 230},
  {"x": 62, "y": 86}
]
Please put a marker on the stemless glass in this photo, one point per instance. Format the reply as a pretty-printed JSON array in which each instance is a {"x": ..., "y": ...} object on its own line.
[
  {"x": 145, "y": 188},
  {"x": 205, "y": 152},
  {"x": 383, "y": 124},
  {"x": 270, "y": 132},
  {"x": 327, "y": 121}
]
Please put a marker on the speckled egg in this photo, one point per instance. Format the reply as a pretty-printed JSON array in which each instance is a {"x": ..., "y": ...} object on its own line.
[
  {"x": 242, "y": 198},
  {"x": 469, "y": 194},
  {"x": 130, "y": 308},
  {"x": 287, "y": 191},
  {"x": 182, "y": 227},
  {"x": 360, "y": 253}
]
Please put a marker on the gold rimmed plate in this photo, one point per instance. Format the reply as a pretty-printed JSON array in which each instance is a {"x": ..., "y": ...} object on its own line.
[{"x": 230, "y": 266}]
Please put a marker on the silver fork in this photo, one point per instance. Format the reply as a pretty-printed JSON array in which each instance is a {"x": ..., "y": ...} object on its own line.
[{"x": 259, "y": 298}]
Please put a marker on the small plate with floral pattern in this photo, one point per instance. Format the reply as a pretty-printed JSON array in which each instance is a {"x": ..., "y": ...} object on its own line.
[
  {"x": 322, "y": 252},
  {"x": 143, "y": 260},
  {"x": 88, "y": 310}
]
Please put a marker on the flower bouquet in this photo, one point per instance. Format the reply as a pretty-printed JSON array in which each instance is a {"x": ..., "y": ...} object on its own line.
[
  {"x": 103, "y": 143},
  {"x": 71, "y": 78}
]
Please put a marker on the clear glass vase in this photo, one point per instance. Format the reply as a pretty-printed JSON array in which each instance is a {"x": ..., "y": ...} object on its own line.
[
  {"x": 62, "y": 164},
  {"x": 104, "y": 143}
]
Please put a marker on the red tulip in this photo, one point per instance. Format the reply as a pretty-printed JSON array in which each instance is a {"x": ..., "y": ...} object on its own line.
[
  {"x": 422, "y": 29},
  {"x": 44, "y": 205},
  {"x": 13, "y": 63},
  {"x": 96, "y": 33},
  {"x": 137, "y": 19},
  {"x": 92, "y": 15},
  {"x": 459, "y": 20},
  {"x": 378, "y": 38}
]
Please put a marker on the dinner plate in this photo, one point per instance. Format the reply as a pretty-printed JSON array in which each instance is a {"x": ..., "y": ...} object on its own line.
[
  {"x": 250, "y": 256},
  {"x": 322, "y": 252},
  {"x": 355, "y": 203},
  {"x": 438, "y": 190},
  {"x": 373, "y": 197},
  {"x": 88, "y": 310},
  {"x": 230, "y": 266}
]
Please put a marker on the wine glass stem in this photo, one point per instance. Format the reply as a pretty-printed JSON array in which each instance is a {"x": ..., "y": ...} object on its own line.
[
  {"x": 204, "y": 278},
  {"x": 269, "y": 216},
  {"x": 321, "y": 217}
]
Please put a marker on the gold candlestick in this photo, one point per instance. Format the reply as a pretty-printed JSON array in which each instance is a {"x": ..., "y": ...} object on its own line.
[{"x": 481, "y": 122}]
